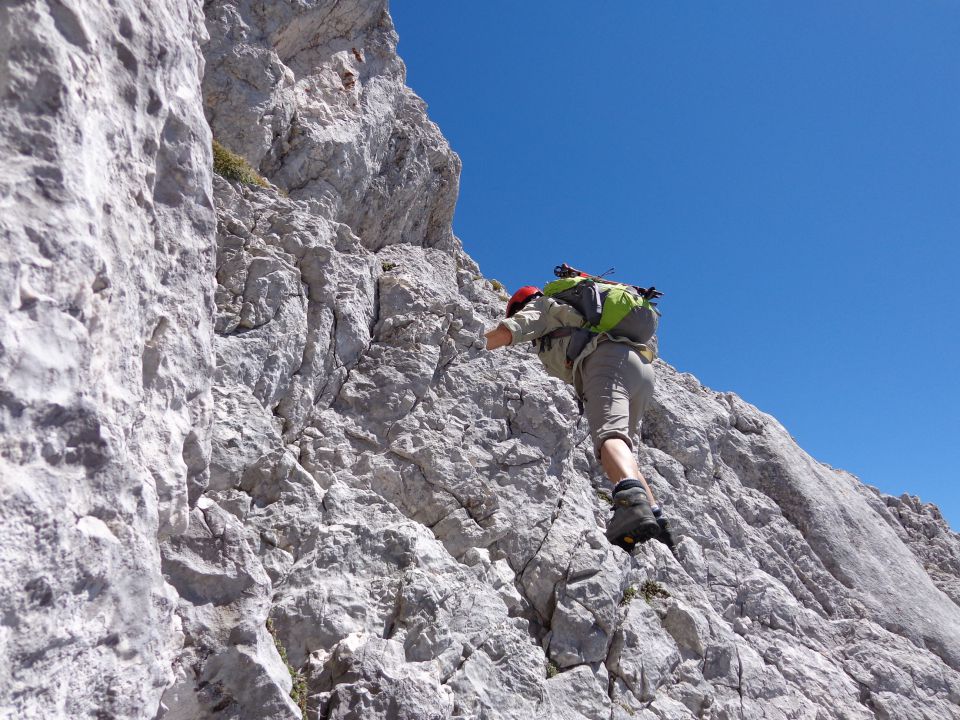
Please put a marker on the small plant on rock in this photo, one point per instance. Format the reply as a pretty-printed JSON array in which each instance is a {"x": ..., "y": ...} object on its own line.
[
  {"x": 629, "y": 594},
  {"x": 651, "y": 589},
  {"x": 299, "y": 690},
  {"x": 552, "y": 670},
  {"x": 387, "y": 266},
  {"x": 497, "y": 285},
  {"x": 233, "y": 167}
]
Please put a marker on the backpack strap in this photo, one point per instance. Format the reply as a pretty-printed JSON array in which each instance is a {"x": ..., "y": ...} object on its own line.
[
  {"x": 545, "y": 342},
  {"x": 647, "y": 354},
  {"x": 579, "y": 339}
]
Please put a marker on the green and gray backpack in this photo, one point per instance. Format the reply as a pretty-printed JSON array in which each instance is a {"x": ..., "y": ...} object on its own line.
[
  {"x": 606, "y": 306},
  {"x": 615, "y": 309}
]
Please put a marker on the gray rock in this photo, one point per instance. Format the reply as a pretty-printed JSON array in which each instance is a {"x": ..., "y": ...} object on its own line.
[
  {"x": 290, "y": 418},
  {"x": 106, "y": 346},
  {"x": 369, "y": 677}
]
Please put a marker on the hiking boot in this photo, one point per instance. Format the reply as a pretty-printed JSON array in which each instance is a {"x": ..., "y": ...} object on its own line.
[
  {"x": 665, "y": 536},
  {"x": 633, "y": 521}
]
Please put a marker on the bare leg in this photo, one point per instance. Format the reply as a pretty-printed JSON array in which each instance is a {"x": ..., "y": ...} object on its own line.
[{"x": 619, "y": 462}]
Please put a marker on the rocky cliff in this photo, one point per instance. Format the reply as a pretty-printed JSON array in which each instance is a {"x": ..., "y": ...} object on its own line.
[{"x": 254, "y": 461}]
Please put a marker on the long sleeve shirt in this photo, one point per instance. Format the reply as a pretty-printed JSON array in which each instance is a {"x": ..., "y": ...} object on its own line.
[{"x": 544, "y": 315}]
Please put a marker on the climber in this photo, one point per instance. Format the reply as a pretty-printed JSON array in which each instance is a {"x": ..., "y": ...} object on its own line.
[{"x": 613, "y": 377}]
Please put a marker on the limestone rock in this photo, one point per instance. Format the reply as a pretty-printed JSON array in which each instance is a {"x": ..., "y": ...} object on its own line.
[
  {"x": 106, "y": 346},
  {"x": 227, "y": 407}
]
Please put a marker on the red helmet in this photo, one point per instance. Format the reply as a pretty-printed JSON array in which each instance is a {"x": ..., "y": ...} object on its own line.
[{"x": 521, "y": 297}]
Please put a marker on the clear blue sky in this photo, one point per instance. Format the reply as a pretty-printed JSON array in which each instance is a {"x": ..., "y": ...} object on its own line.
[{"x": 788, "y": 173}]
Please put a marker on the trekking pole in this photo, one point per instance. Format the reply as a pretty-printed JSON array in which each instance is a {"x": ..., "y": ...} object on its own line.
[{"x": 565, "y": 271}]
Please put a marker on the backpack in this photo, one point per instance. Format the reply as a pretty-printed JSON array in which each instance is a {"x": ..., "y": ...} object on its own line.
[{"x": 607, "y": 307}]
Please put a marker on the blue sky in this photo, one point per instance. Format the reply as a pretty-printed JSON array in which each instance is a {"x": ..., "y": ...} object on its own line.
[{"x": 788, "y": 173}]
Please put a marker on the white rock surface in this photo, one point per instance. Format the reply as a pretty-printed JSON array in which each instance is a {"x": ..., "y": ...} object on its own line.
[
  {"x": 420, "y": 520},
  {"x": 106, "y": 353}
]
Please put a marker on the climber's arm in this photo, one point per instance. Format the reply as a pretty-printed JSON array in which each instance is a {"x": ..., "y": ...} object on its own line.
[
  {"x": 498, "y": 337},
  {"x": 534, "y": 321}
]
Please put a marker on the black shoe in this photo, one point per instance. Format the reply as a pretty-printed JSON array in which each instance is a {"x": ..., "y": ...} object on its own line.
[
  {"x": 665, "y": 536},
  {"x": 633, "y": 521}
]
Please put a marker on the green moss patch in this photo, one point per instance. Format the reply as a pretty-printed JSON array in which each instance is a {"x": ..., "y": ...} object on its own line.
[
  {"x": 651, "y": 590},
  {"x": 231, "y": 166}
]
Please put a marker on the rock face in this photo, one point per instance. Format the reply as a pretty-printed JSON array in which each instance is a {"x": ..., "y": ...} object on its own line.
[
  {"x": 329, "y": 462},
  {"x": 106, "y": 354}
]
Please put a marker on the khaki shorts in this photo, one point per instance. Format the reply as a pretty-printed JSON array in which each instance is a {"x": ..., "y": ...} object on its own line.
[{"x": 617, "y": 385}]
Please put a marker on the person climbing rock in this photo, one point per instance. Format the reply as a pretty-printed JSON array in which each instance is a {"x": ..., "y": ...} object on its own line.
[{"x": 592, "y": 334}]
